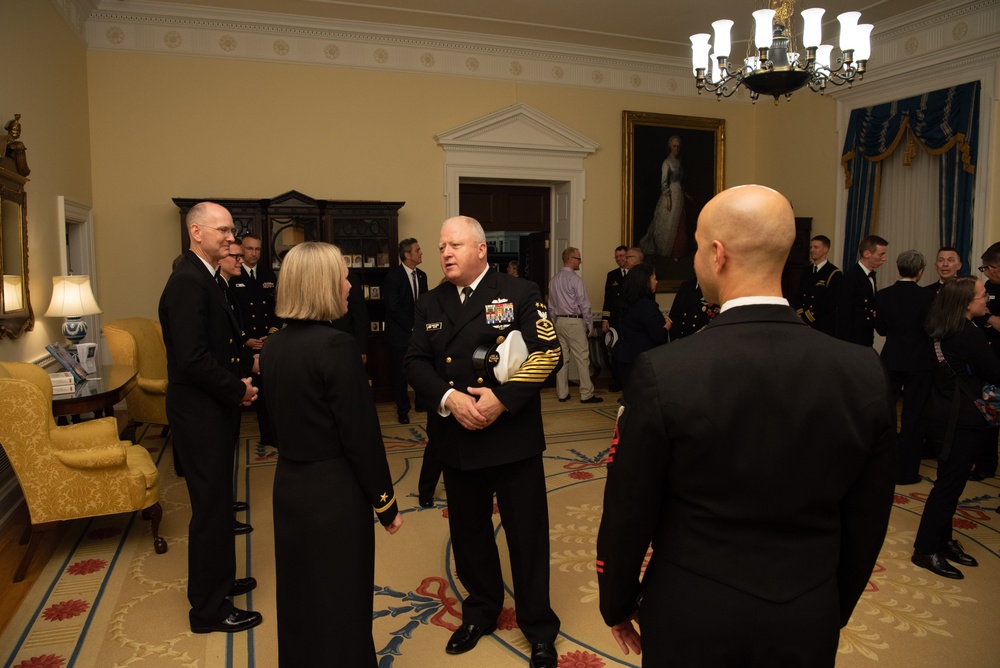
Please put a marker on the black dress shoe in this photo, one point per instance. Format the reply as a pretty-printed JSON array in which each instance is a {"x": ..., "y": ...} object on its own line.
[
  {"x": 242, "y": 586},
  {"x": 976, "y": 476},
  {"x": 466, "y": 637},
  {"x": 238, "y": 620},
  {"x": 242, "y": 528},
  {"x": 937, "y": 564},
  {"x": 953, "y": 552},
  {"x": 566, "y": 398},
  {"x": 543, "y": 655},
  {"x": 593, "y": 400},
  {"x": 426, "y": 502},
  {"x": 240, "y": 506}
]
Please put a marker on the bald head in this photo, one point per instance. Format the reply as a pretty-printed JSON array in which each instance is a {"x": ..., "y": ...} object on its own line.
[
  {"x": 210, "y": 227},
  {"x": 744, "y": 235}
]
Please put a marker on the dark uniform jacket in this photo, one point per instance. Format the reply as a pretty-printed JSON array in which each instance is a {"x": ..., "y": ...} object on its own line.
[
  {"x": 818, "y": 298},
  {"x": 900, "y": 313},
  {"x": 708, "y": 465},
  {"x": 255, "y": 297},
  {"x": 612, "y": 289},
  {"x": 690, "y": 312},
  {"x": 397, "y": 293},
  {"x": 445, "y": 335},
  {"x": 331, "y": 412},
  {"x": 640, "y": 329},
  {"x": 856, "y": 307}
]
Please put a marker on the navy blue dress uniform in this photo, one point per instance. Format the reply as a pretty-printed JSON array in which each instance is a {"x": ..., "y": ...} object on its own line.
[
  {"x": 255, "y": 300},
  {"x": 735, "y": 529},
  {"x": 331, "y": 475},
  {"x": 397, "y": 293},
  {"x": 818, "y": 298},
  {"x": 505, "y": 457},
  {"x": 856, "y": 307},
  {"x": 690, "y": 311},
  {"x": 204, "y": 350},
  {"x": 612, "y": 290},
  {"x": 900, "y": 314}
]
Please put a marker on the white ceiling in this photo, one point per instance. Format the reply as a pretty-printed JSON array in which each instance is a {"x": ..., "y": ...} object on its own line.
[{"x": 649, "y": 26}]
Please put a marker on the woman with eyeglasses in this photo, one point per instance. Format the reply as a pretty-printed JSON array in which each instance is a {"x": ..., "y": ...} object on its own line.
[{"x": 953, "y": 419}]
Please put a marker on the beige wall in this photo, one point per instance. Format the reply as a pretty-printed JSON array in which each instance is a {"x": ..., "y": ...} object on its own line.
[{"x": 45, "y": 80}]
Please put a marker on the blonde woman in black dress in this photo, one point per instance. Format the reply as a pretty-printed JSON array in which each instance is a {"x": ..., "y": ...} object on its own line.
[{"x": 331, "y": 473}]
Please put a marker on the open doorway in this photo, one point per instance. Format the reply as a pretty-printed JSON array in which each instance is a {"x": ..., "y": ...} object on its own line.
[{"x": 517, "y": 220}]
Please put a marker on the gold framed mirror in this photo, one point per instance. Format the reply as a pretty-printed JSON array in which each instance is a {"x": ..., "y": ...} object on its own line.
[{"x": 16, "y": 315}]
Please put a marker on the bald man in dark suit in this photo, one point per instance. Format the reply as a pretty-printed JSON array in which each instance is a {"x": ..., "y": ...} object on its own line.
[
  {"x": 204, "y": 345},
  {"x": 762, "y": 522}
]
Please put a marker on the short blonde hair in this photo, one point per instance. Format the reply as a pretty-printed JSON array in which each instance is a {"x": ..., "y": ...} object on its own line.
[{"x": 309, "y": 287}]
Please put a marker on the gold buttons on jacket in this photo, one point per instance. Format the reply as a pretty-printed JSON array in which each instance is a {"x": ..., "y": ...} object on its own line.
[
  {"x": 499, "y": 339},
  {"x": 479, "y": 380},
  {"x": 451, "y": 383},
  {"x": 447, "y": 360}
]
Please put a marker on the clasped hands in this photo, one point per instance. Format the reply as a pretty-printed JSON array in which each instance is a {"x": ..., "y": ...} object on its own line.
[
  {"x": 250, "y": 394},
  {"x": 476, "y": 410}
]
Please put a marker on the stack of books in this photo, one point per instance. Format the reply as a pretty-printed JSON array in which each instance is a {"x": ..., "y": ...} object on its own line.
[{"x": 63, "y": 382}]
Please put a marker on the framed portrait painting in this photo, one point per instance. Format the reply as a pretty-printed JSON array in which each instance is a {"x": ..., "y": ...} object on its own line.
[{"x": 672, "y": 166}]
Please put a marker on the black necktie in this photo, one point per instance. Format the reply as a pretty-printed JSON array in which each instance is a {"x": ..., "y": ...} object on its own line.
[
  {"x": 466, "y": 293},
  {"x": 815, "y": 269},
  {"x": 416, "y": 290},
  {"x": 871, "y": 276},
  {"x": 253, "y": 276}
]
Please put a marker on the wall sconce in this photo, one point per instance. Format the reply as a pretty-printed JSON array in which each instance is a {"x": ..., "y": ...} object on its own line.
[
  {"x": 13, "y": 293},
  {"x": 72, "y": 298}
]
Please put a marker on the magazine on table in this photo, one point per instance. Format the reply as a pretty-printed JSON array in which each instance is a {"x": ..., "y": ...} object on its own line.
[{"x": 67, "y": 360}]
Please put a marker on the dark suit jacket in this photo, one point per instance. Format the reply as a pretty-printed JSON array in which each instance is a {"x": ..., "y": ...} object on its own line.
[
  {"x": 900, "y": 313},
  {"x": 321, "y": 405},
  {"x": 355, "y": 322},
  {"x": 728, "y": 462},
  {"x": 972, "y": 362},
  {"x": 856, "y": 307},
  {"x": 447, "y": 332},
  {"x": 397, "y": 293},
  {"x": 640, "y": 329},
  {"x": 203, "y": 342},
  {"x": 612, "y": 289},
  {"x": 818, "y": 298}
]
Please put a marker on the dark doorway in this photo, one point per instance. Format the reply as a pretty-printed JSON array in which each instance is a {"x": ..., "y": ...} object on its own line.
[{"x": 517, "y": 221}]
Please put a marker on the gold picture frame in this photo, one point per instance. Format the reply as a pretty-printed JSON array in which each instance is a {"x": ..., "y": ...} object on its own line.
[{"x": 649, "y": 218}]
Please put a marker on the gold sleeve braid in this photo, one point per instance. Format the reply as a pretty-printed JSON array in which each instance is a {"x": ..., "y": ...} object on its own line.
[{"x": 540, "y": 363}]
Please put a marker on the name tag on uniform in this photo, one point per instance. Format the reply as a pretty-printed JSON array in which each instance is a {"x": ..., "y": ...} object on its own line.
[{"x": 431, "y": 326}]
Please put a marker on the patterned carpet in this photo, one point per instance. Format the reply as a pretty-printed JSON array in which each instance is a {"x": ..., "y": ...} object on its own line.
[{"x": 107, "y": 600}]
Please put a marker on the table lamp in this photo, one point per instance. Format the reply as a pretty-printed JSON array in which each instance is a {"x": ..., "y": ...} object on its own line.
[{"x": 72, "y": 298}]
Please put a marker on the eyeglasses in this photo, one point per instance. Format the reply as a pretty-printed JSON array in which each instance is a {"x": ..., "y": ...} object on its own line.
[
  {"x": 226, "y": 231},
  {"x": 985, "y": 295},
  {"x": 239, "y": 258},
  {"x": 986, "y": 266},
  {"x": 577, "y": 258}
]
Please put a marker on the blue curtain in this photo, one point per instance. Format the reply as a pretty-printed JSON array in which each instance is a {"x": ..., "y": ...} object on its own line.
[{"x": 945, "y": 123}]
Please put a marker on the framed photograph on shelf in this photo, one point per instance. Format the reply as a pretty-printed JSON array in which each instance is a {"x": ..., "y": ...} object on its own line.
[
  {"x": 375, "y": 326},
  {"x": 356, "y": 260},
  {"x": 672, "y": 166},
  {"x": 375, "y": 292}
]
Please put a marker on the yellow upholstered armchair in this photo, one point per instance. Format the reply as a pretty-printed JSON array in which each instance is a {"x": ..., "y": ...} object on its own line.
[
  {"x": 80, "y": 470},
  {"x": 138, "y": 343}
]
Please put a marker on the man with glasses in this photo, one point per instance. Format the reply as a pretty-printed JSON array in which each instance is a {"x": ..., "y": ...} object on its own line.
[
  {"x": 203, "y": 341},
  {"x": 570, "y": 306}
]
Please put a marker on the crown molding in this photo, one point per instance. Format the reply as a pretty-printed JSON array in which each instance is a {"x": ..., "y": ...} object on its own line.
[{"x": 929, "y": 36}]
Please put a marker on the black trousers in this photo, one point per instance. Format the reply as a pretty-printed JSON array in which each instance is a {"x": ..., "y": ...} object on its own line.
[
  {"x": 430, "y": 467},
  {"x": 682, "y": 613},
  {"x": 520, "y": 493},
  {"x": 398, "y": 373},
  {"x": 952, "y": 475},
  {"x": 915, "y": 388}
]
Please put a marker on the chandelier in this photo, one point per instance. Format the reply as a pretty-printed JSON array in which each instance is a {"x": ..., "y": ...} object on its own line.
[{"x": 773, "y": 66}]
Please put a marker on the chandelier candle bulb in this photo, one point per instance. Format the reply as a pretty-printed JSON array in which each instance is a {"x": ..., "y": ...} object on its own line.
[
  {"x": 848, "y": 30},
  {"x": 699, "y": 51},
  {"x": 763, "y": 35},
  {"x": 863, "y": 44},
  {"x": 723, "y": 45},
  {"x": 812, "y": 27},
  {"x": 823, "y": 57}
]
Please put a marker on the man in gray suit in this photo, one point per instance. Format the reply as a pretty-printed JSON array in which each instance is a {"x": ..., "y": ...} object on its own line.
[{"x": 761, "y": 523}]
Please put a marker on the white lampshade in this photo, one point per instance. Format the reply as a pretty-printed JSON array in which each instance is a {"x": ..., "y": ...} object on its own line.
[
  {"x": 723, "y": 44},
  {"x": 13, "y": 293},
  {"x": 863, "y": 43},
  {"x": 72, "y": 296},
  {"x": 699, "y": 51},
  {"x": 848, "y": 29},
  {"x": 823, "y": 56},
  {"x": 812, "y": 27},
  {"x": 763, "y": 28}
]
